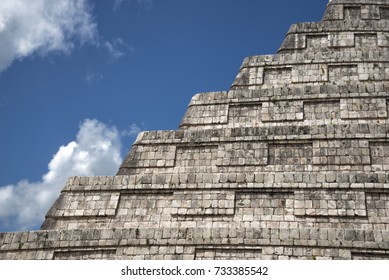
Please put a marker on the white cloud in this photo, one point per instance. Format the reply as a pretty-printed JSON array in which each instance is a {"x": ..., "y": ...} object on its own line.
[
  {"x": 93, "y": 77},
  {"x": 132, "y": 130},
  {"x": 113, "y": 51},
  {"x": 43, "y": 26},
  {"x": 117, "y": 48},
  {"x": 96, "y": 151}
]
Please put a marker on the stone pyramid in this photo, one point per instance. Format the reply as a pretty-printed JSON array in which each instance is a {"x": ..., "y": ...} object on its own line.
[{"x": 291, "y": 163}]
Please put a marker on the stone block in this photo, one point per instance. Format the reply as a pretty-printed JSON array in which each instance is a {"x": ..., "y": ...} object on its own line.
[
  {"x": 150, "y": 156},
  {"x": 346, "y": 152},
  {"x": 243, "y": 153},
  {"x": 282, "y": 111},
  {"x": 329, "y": 203}
]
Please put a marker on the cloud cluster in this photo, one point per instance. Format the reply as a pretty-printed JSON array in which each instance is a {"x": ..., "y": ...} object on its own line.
[
  {"x": 29, "y": 27},
  {"x": 43, "y": 26},
  {"x": 117, "y": 48},
  {"x": 132, "y": 131},
  {"x": 93, "y": 77},
  {"x": 96, "y": 151}
]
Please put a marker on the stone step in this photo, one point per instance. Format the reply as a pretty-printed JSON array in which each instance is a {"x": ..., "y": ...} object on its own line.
[{"x": 196, "y": 243}]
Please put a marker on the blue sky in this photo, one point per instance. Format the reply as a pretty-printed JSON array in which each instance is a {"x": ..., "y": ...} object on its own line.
[{"x": 80, "y": 78}]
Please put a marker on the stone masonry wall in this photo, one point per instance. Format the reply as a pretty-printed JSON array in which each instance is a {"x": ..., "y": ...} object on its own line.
[{"x": 291, "y": 163}]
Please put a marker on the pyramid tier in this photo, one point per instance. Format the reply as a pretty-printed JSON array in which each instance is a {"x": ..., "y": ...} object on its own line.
[
  {"x": 297, "y": 106},
  {"x": 197, "y": 244},
  {"x": 357, "y": 10},
  {"x": 341, "y": 200},
  {"x": 314, "y": 68}
]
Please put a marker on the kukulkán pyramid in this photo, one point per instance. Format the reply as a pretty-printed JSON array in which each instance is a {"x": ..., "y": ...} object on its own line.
[{"x": 292, "y": 162}]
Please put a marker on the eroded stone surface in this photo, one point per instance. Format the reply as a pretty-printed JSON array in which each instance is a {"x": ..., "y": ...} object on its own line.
[{"x": 291, "y": 163}]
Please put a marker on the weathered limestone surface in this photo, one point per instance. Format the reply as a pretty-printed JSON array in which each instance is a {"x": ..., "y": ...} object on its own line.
[{"x": 291, "y": 163}]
